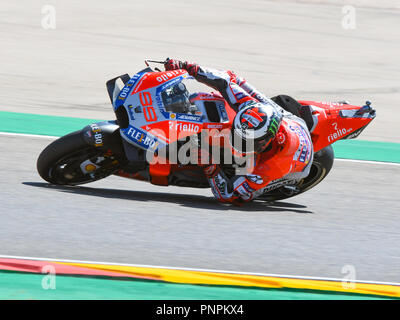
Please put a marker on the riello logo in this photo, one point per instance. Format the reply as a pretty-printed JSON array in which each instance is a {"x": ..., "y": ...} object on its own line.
[
  {"x": 179, "y": 126},
  {"x": 338, "y": 134}
]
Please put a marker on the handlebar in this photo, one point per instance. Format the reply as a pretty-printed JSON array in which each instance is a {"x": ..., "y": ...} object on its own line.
[{"x": 146, "y": 61}]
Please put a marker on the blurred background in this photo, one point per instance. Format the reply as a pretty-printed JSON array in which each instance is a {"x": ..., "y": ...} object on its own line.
[{"x": 57, "y": 55}]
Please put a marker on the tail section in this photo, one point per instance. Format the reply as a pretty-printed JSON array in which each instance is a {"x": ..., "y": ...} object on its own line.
[{"x": 335, "y": 121}]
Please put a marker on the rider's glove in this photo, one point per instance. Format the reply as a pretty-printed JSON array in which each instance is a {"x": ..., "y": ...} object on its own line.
[{"x": 172, "y": 64}]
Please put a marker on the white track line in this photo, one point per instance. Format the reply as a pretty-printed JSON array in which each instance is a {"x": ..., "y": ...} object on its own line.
[
  {"x": 28, "y": 135},
  {"x": 53, "y": 138},
  {"x": 369, "y": 162},
  {"x": 193, "y": 269}
]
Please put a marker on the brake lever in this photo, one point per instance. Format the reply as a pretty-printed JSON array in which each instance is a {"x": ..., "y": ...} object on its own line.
[{"x": 146, "y": 61}]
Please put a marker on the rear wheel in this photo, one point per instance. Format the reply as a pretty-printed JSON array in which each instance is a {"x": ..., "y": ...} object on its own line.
[
  {"x": 69, "y": 160},
  {"x": 322, "y": 164}
]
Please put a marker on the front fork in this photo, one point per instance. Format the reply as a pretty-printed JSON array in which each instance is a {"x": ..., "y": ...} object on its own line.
[{"x": 105, "y": 137}]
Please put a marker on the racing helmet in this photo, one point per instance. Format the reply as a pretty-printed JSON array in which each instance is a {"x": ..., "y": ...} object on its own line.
[
  {"x": 176, "y": 98},
  {"x": 254, "y": 127}
]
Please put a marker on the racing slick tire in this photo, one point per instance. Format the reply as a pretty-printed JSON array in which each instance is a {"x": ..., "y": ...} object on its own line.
[{"x": 70, "y": 160}]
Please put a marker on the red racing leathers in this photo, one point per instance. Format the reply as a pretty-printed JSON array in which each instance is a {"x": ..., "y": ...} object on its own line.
[{"x": 291, "y": 152}]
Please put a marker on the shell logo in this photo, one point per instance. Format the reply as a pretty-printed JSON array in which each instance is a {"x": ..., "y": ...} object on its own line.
[{"x": 90, "y": 167}]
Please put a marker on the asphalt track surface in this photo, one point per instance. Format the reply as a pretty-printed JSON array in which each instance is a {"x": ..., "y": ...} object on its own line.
[
  {"x": 343, "y": 221},
  {"x": 349, "y": 219}
]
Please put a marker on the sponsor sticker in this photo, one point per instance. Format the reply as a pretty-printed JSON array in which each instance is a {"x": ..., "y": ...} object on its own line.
[
  {"x": 275, "y": 184},
  {"x": 339, "y": 132},
  {"x": 214, "y": 126},
  {"x": 170, "y": 74},
  {"x": 142, "y": 138},
  {"x": 280, "y": 138},
  {"x": 223, "y": 113},
  {"x": 97, "y": 135},
  {"x": 123, "y": 94},
  {"x": 189, "y": 117},
  {"x": 183, "y": 126},
  {"x": 303, "y": 152}
]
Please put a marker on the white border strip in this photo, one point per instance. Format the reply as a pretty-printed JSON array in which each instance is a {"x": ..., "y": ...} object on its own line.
[
  {"x": 369, "y": 162},
  {"x": 194, "y": 269},
  {"x": 27, "y": 135}
]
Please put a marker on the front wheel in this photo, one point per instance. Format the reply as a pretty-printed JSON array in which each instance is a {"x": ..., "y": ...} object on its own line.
[{"x": 69, "y": 160}]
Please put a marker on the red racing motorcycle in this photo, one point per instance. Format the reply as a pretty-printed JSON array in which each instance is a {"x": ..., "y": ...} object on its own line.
[{"x": 144, "y": 126}]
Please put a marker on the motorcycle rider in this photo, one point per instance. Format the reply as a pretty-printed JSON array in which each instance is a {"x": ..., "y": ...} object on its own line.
[{"x": 280, "y": 141}]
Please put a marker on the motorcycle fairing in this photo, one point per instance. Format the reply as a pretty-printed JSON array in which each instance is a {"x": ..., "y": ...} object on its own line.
[
  {"x": 150, "y": 126},
  {"x": 125, "y": 91},
  {"x": 141, "y": 99},
  {"x": 337, "y": 121}
]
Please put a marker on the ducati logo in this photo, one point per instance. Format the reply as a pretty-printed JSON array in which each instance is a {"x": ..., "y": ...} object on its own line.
[{"x": 280, "y": 138}]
